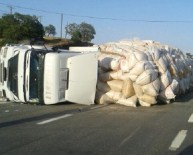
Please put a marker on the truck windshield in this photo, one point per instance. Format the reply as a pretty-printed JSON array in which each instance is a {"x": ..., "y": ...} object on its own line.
[
  {"x": 13, "y": 74},
  {"x": 33, "y": 77},
  {"x": 36, "y": 76}
]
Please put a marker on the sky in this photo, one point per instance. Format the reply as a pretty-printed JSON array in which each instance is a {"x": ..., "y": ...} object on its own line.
[{"x": 167, "y": 21}]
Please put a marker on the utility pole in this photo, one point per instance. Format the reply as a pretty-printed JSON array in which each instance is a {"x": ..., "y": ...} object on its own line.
[
  {"x": 66, "y": 31},
  {"x": 61, "y": 24},
  {"x": 11, "y": 9},
  {"x": 40, "y": 19}
]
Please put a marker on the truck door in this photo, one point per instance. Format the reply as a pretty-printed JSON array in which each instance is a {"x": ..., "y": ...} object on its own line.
[{"x": 82, "y": 78}]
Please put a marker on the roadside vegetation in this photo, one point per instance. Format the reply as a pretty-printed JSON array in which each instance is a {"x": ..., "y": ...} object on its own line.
[{"x": 20, "y": 28}]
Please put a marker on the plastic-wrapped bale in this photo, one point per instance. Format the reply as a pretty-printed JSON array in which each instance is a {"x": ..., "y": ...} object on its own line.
[
  {"x": 156, "y": 70},
  {"x": 116, "y": 91},
  {"x": 184, "y": 70},
  {"x": 162, "y": 61},
  {"x": 131, "y": 60},
  {"x": 127, "y": 89},
  {"x": 131, "y": 101},
  {"x": 102, "y": 98},
  {"x": 118, "y": 98},
  {"x": 115, "y": 85},
  {"x": 135, "y": 66},
  {"x": 109, "y": 62},
  {"x": 147, "y": 94},
  {"x": 142, "y": 72}
]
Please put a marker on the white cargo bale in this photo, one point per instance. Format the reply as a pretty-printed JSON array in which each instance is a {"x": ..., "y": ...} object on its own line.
[
  {"x": 155, "y": 52},
  {"x": 148, "y": 99},
  {"x": 114, "y": 95},
  {"x": 175, "y": 86},
  {"x": 173, "y": 70},
  {"x": 102, "y": 98},
  {"x": 137, "y": 60},
  {"x": 156, "y": 84},
  {"x": 168, "y": 93},
  {"x": 165, "y": 80},
  {"x": 128, "y": 89},
  {"x": 124, "y": 65},
  {"x": 133, "y": 77},
  {"x": 169, "y": 58},
  {"x": 117, "y": 75},
  {"x": 132, "y": 101},
  {"x": 115, "y": 85},
  {"x": 162, "y": 65},
  {"x": 112, "y": 48},
  {"x": 132, "y": 60},
  {"x": 125, "y": 76},
  {"x": 120, "y": 75},
  {"x": 144, "y": 104},
  {"x": 149, "y": 56},
  {"x": 138, "y": 90},
  {"x": 141, "y": 56},
  {"x": 140, "y": 67},
  {"x": 152, "y": 88},
  {"x": 109, "y": 63},
  {"x": 147, "y": 77}
]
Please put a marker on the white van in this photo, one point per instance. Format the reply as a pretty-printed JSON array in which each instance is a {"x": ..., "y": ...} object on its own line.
[{"x": 46, "y": 76}]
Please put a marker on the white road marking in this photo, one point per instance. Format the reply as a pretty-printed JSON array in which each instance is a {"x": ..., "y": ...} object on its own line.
[
  {"x": 190, "y": 119},
  {"x": 127, "y": 138},
  {"x": 176, "y": 143},
  {"x": 54, "y": 119},
  {"x": 6, "y": 110}
]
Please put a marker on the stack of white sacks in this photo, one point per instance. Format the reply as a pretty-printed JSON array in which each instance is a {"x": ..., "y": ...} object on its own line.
[{"x": 143, "y": 72}]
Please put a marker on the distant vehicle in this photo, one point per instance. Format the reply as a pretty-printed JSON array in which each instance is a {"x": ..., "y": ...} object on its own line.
[{"x": 40, "y": 75}]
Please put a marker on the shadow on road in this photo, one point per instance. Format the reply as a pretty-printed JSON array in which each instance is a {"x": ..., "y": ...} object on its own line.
[
  {"x": 185, "y": 98},
  {"x": 187, "y": 151},
  {"x": 41, "y": 117}
]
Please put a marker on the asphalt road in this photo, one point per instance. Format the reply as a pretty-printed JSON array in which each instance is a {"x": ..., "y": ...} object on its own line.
[{"x": 99, "y": 129}]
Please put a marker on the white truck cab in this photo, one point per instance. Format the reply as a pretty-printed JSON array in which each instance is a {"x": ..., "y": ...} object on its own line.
[{"x": 35, "y": 74}]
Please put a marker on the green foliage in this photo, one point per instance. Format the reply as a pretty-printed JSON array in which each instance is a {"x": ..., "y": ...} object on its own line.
[
  {"x": 87, "y": 31},
  {"x": 83, "y": 32},
  {"x": 50, "y": 30},
  {"x": 76, "y": 36},
  {"x": 17, "y": 27},
  {"x": 71, "y": 28}
]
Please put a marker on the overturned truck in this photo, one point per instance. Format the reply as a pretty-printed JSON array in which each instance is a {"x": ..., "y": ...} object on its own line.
[{"x": 39, "y": 75}]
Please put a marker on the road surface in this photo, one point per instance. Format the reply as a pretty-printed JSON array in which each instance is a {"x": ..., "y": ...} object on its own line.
[{"x": 98, "y": 129}]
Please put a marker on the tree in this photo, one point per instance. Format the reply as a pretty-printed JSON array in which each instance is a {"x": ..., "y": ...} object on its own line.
[
  {"x": 50, "y": 30},
  {"x": 18, "y": 27},
  {"x": 71, "y": 28},
  {"x": 83, "y": 30},
  {"x": 87, "y": 32},
  {"x": 76, "y": 36}
]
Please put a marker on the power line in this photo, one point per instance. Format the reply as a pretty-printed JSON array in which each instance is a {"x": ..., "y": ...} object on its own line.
[
  {"x": 21, "y": 7},
  {"x": 3, "y": 11},
  {"x": 104, "y": 18}
]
